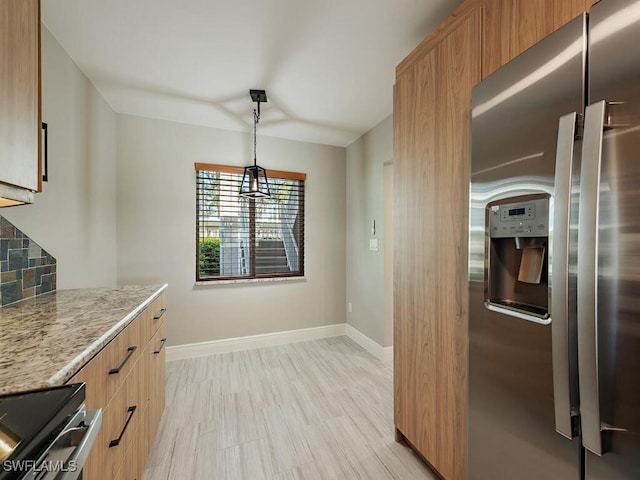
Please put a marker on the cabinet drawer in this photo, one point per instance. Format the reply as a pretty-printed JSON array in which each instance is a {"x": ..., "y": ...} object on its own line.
[
  {"x": 129, "y": 468},
  {"x": 157, "y": 380},
  {"x": 157, "y": 313},
  {"x": 120, "y": 421},
  {"x": 144, "y": 380},
  {"x": 135, "y": 459},
  {"x": 106, "y": 372}
]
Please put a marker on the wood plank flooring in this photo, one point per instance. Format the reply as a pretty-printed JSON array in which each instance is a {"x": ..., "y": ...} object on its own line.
[{"x": 312, "y": 410}]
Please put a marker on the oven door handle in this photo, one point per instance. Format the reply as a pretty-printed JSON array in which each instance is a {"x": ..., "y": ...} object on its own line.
[{"x": 91, "y": 426}]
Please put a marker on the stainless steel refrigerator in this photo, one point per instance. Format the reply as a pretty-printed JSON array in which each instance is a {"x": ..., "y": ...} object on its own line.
[{"x": 554, "y": 257}]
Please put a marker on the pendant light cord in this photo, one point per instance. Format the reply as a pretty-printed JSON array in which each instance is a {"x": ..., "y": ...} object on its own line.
[{"x": 256, "y": 119}]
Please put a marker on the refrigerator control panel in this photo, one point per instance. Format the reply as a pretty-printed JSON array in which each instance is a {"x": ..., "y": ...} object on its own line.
[
  {"x": 526, "y": 212},
  {"x": 519, "y": 219}
]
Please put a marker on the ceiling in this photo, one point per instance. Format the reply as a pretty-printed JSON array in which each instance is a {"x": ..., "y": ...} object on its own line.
[{"x": 327, "y": 65}]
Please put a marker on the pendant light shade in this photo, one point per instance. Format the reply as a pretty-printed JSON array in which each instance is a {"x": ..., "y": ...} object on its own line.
[{"x": 255, "y": 183}]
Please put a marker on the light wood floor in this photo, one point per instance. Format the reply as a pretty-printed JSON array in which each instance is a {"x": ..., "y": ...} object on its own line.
[{"x": 313, "y": 410}]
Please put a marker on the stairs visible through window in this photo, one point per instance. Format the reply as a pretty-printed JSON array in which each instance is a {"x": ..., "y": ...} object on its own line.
[{"x": 271, "y": 257}]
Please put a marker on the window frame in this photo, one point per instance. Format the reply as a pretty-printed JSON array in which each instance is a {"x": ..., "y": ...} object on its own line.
[{"x": 279, "y": 174}]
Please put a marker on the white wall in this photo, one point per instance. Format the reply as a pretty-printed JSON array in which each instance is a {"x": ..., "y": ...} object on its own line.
[
  {"x": 365, "y": 202},
  {"x": 156, "y": 204},
  {"x": 74, "y": 218}
]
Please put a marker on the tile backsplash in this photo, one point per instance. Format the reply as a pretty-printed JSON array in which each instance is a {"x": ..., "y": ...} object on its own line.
[{"x": 26, "y": 270}]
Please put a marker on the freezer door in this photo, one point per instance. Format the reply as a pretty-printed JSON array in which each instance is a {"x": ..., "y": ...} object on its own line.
[
  {"x": 512, "y": 422},
  {"x": 614, "y": 73}
]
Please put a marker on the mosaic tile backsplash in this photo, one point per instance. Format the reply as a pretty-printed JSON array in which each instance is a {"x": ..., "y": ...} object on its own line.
[{"x": 26, "y": 270}]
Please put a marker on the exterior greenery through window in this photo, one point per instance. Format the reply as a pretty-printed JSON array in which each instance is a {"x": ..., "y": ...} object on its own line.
[{"x": 240, "y": 238}]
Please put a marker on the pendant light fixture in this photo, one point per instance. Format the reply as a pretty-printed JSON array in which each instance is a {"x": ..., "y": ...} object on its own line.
[{"x": 255, "y": 183}]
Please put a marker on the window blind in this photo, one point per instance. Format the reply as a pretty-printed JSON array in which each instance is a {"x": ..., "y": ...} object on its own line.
[{"x": 239, "y": 237}]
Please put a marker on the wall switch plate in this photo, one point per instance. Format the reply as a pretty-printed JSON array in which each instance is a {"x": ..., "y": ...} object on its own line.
[
  {"x": 349, "y": 307},
  {"x": 373, "y": 244}
]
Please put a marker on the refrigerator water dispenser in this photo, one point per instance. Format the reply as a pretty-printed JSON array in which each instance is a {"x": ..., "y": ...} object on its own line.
[{"x": 516, "y": 259}]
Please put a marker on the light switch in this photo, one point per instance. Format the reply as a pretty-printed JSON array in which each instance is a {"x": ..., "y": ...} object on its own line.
[{"x": 373, "y": 244}]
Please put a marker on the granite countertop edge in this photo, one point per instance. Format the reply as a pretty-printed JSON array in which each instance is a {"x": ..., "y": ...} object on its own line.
[
  {"x": 32, "y": 379},
  {"x": 80, "y": 360}
]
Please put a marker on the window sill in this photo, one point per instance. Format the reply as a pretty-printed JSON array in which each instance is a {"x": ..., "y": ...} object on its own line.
[{"x": 251, "y": 280}]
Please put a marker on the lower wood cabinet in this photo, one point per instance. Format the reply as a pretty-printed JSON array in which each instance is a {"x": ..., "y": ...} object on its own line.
[
  {"x": 127, "y": 380},
  {"x": 157, "y": 367},
  {"x": 135, "y": 458}
]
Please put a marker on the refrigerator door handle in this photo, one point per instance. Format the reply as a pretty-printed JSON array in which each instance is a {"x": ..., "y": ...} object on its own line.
[
  {"x": 595, "y": 116},
  {"x": 559, "y": 242}
]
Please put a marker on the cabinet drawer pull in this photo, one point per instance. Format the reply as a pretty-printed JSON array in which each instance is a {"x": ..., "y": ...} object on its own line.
[
  {"x": 162, "y": 342},
  {"x": 157, "y": 317},
  {"x": 116, "y": 442},
  {"x": 126, "y": 359}
]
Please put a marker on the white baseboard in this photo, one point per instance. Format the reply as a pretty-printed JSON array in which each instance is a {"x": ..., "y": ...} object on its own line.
[
  {"x": 387, "y": 354},
  {"x": 201, "y": 349},
  {"x": 382, "y": 353}
]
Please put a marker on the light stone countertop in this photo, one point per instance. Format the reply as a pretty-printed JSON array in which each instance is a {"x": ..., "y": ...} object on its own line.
[{"x": 45, "y": 340}]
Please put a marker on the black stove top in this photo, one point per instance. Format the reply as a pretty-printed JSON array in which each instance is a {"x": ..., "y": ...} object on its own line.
[{"x": 29, "y": 420}]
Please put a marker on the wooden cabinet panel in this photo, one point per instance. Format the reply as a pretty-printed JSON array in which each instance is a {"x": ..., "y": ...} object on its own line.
[
  {"x": 151, "y": 317},
  {"x": 144, "y": 386},
  {"x": 134, "y": 462},
  {"x": 496, "y": 36},
  {"x": 144, "y": 446},
  {"x": 535, "y": 19},
  {"x": 431, "y": 173},
  {"x": 462, "y": 70},
  {"x": 118, "y": 354},
  {"x": 20, "y": 142},
  {"x": 414, "y": 136},
  {"x": 118, "y": 422},
  {"x": 532, "y": 21},
  {"x": 156, "y": 314},
  {"x": 512, "y": 26},
  {"x": 96, "y": 369},
  {"x": 157, "y": 359},
  {"x": 566, "y": 10},
  {"x": 133, "y": 445}
]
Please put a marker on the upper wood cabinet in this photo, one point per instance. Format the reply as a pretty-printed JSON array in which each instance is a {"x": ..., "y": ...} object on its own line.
[
  {"x": 20, "y": 117},
  {"x": 512, "y": 26},
  {"x": 497, "y": 22},
  {"x": 535, "y": 19},
  {"x": 432, "y": 104}
]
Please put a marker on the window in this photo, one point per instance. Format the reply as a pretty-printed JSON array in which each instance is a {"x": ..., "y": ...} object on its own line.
[{"x": 240, "y": 238}]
